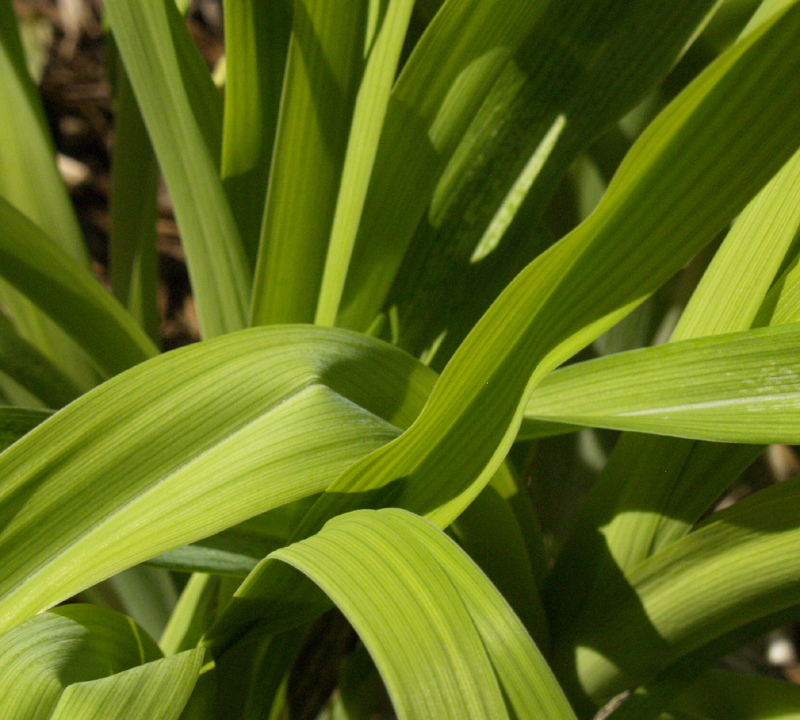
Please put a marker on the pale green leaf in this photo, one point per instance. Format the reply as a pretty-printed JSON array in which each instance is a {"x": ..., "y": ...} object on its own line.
[
  {"x": 192, "y": 615},
  {"x": 388, "y": 24},
  {"x": 157, "y": 690},
  {"x": 385, "y": 570},
  {"x": 30, "y": 180},
  {"x": 342, "y": 61},
  {"x": 72, "y": 644},
  {"x": 175, "y": 97},
  {"x": 265, "y": 417},
  {"x": 740, "y": 387}
]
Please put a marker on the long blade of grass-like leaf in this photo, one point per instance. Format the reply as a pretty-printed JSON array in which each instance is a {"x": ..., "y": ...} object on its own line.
[
  {"x": 133, "y": 260},
  {"x": 665, "y": 203},
  {"x": 256, "y": 44},
  {"x": 112, "y": 464},
  {"x": 384, "y": 43},
  {"x": 436, "y": 96},
  {"x": 30, "y": 179},
  {"x": 45, "y": 275},
  {"x": 179, "y": 108},
  {"x": 741, "y": 387},
  {"x": 398, "y": 564},
  {"x": 31, "y": 182},
  {"x": 342, "y": 61}
]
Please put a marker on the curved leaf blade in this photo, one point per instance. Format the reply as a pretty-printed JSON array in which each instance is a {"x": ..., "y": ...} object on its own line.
[
  {"x": 169, "y": 78},
  {"x": 740, "y": 565},
  {"x": 112, "y": 465},
  {"x": 384, "y": 573},
  {"x": 739, "y": 387},
  {"x": 72, "y": 644},
  {"x": 41, "y": 271},
  {"x": 158, "y": 690}
]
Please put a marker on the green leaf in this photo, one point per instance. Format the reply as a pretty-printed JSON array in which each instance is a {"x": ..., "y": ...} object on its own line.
[
  {"x": 112, "y": 464},
  {"x": 155, "y": 691},
  {"x": 435, "y": 98},
  {"x": 237, "y": 550},
  {"x": 740, "y": 387},
  {"x": 192, "y": 614},
  {"x": 24, "y": 364},
  {"x": 133, "y": 260},
  {"x": 675, "y": 191},
  {"x": 72, "y": 644},
  {"x": 182, "y": 115},
  {"x": 653, "y": 490},
  {"x": 388, "y": 569},
  {"x": 342, "y": 61},
  {"x": 738, "y": 566},
  {"x": 734, "y": 696},
  {"x": 385, "y": 41},
  {"x": 30, "y": 181},
  {"x": 256, "y": 44},
  {"x": 44, "y": 273},
  {"x": 17, "y": 422},
  {"x": 581, "y": 68}
]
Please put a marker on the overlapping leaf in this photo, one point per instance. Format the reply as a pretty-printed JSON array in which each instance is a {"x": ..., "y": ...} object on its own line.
[
  {"x": 460, "y": 642},
  {"x": 687, "y": 176},
  {"x": 741, "y": 387},
  {"x": 581, "y": 68},
  {"x": 183, "y": 117},
  {"x": 342, "y": 60},
  {"x": 739, "y": 566},
  {"x": 31, "y": 183},
  {"x": 257, "y": 419},
  {"x": 69, "y": 294}
]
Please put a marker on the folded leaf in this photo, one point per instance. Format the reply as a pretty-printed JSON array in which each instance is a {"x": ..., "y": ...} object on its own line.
[
  {"x": 155, "y": 691},
  {"x": 257, "y": 420},
  {"x": 72, "y": 644},
  {"x": 388, "y": 569}
]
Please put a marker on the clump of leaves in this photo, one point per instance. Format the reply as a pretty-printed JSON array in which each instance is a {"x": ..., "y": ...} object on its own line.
[{"x": 371, "y": 218}]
